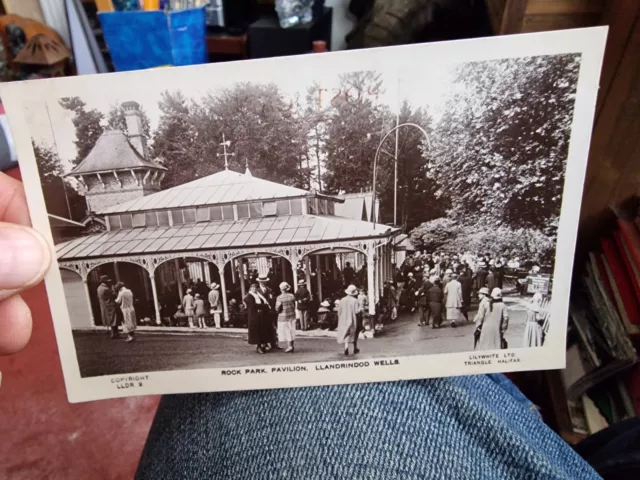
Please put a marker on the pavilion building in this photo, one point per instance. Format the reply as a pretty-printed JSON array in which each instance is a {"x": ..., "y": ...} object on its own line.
[{"x": 221, "y": 228}]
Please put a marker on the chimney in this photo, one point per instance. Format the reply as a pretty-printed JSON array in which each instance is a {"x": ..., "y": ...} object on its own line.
[{"x": 133, "y": 118}]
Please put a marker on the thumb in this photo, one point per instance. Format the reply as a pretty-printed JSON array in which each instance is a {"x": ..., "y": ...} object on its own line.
[{"x": 25, "y": 257}]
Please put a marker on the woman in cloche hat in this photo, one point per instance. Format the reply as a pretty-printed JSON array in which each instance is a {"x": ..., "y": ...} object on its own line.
[
  {"x": 347, "y": 319},
  {"x": 491, "y": 320},
  {"x": 286, "y": 309}
]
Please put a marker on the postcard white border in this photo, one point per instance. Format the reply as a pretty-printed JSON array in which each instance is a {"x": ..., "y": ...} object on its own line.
[{"x": 589, "y": 42}]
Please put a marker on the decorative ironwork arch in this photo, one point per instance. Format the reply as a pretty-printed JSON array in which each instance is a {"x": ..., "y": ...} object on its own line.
[
  {"x": 158, "y": 260},
  {"x": 284, "y": 252},
  {"x": 360, "y": 247},
  {"x": 75, "y": 267},
  {"x": 142, "y": 262}
]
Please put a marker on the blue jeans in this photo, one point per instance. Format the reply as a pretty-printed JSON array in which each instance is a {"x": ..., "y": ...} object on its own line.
[{"x": 476, "y": 427}]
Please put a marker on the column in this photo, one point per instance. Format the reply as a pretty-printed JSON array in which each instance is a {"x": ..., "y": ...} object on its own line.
[
  {"x": 294, "y": 270},
  {"x": 386, "y": 263},
  {"x": 178, "y": 279},
  {"x": 319, "y": 274},
  {"x": 147, "y": 293},
  {"x": 370, "y": 282},
  {"x": 334, "y": 267},
  {"x": 243, "y": 287},
  {"x": 295, "y": 274},
  {"x": 117, "y": 271},
  {"x": 327, "y": 263},
  {"x": 223, "y": 287},
  {"x": 233, "y": 271},
  {"x": 155, "y": 298},
  {"x": 307, "y": 272},
  {"x": 283, "y": 268},
  {"x": 86, "y": 291},
  {"x": 377, "y": 273}
]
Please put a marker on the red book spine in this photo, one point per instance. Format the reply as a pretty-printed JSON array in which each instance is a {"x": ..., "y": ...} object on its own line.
[
  {"x": 631, "y": 237},
  {"x": 622, "y": 280},
  {"x": 628, "y": 262}
]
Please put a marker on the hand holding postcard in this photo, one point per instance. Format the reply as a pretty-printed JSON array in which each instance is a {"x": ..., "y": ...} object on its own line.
[{"x": 375, "y": 215}]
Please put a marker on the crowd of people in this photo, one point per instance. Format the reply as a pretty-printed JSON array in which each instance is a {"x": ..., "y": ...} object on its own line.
[
  {"x": 271, "y": 318},
  {"x": 440, "y": 287}
]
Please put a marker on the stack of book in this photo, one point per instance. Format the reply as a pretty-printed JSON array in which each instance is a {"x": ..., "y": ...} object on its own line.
[{"x": 602, "y": 379}]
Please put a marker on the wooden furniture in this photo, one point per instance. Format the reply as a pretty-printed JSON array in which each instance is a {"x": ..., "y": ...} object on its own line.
[
  {"x": 523, "y": 16},
  {"x": 223, "y": 44}
]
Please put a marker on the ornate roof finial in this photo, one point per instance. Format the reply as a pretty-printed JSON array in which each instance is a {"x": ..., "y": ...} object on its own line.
[
  {"x": 246, "y": 171},
  {"x": 225, "y": 144}
]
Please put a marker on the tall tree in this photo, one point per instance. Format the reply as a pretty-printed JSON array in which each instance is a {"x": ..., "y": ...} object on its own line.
[
  {"x": 416, "y": 191},
  {"x": 265, "y": 131},
  {"x": 315, "y": 114},
  {"x": 87, "y": 123},
  {"x": 501, "y": 146},
  {"x": 173, "y": 141},
  {"x": 354, "y": 126},
  {"x": 60, "y": 197}
]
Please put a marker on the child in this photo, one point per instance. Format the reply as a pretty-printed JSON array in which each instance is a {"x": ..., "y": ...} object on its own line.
[
  {"x": 324, "y": 315},
  {"x": 179, "y": 316},
  {"x": 200, "y": 311}
]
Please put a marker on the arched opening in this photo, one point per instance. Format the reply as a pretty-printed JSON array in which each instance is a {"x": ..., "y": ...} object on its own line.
[
  {"x": 242, "y": 271},
  {"x": 328, "y": 271},
  {"x": 174, "y": 277},
  {"x": 80, "y": 312},
  {"x": 135, "y": 277}
]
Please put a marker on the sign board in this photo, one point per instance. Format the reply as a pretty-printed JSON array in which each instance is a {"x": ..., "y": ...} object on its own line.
[{"x": 538, "y": 284}]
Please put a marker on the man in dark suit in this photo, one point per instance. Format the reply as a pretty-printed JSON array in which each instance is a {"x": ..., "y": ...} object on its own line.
[
  {"x": 466, "y": 282},
  {"x": 267, "y": 293},
  {"x": 303, "y": 299},
  {"x": 423, "y": 303}
]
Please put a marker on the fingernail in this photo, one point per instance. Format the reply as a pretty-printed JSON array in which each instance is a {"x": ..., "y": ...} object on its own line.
[{"x": 24, "y": 257}]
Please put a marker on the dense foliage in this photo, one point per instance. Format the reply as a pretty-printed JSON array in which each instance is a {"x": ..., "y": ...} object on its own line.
[{"x": 489, "y": 180}]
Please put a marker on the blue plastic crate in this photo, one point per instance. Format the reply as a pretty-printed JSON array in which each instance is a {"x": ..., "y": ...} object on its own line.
[{"x": 139, "y": 40}]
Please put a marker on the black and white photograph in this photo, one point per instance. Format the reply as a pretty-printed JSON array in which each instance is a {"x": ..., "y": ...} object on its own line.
[{"x": 402, "y": 212}]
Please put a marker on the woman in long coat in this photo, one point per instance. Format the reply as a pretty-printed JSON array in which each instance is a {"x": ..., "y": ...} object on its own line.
[
  {"x": 453, "y": 300},
  {"x": 108, "y": 307},
  {"x": 532, "y": 329},
  {"x": 258, "y": 322},
  {"x": 435, "y": 298},
  {"x": 347, "y": 319},
  {"x": 125, "y": 300},
  {"x": 492, "y": 321}
]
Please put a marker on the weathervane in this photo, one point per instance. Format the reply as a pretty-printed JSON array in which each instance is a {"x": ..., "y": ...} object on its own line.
[{"x": 225, "y": 144}]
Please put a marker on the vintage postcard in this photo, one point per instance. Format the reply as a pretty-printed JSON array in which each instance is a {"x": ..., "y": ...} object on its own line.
[{"x": 361, "y": 216}]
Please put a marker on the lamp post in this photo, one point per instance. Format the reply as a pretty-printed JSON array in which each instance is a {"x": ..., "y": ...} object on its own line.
[{"x": 375, "y": 165}]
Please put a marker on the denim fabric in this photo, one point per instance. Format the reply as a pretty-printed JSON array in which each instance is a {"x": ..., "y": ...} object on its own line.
[{"x": 478, "y": 427}]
